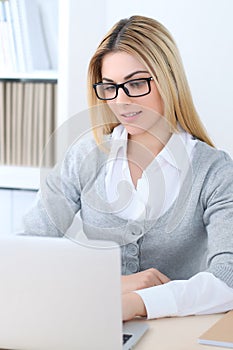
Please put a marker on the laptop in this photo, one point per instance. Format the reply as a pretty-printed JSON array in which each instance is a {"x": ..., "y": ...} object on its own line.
[{"x": 58, "y": 294}]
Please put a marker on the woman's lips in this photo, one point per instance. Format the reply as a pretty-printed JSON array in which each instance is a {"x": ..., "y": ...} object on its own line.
[{"x": 131, "y": 116}]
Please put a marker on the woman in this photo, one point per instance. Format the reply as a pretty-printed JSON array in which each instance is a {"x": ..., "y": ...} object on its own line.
[{"x": 151, "y": 179}]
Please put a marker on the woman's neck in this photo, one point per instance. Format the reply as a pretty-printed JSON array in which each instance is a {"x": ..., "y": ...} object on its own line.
[
  {"x": 141, "y": 151},
  {"x": 153, "y": 142}
]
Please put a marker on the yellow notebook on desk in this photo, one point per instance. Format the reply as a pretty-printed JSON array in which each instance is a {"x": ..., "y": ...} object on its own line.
[{"x": 221, "y": 333}]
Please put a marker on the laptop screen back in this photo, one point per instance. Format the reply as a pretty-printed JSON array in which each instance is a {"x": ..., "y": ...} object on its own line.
[{"x": 57, "y": 294}]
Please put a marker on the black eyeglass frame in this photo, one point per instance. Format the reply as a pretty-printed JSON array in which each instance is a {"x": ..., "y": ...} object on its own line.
[{"x": 122, "y": 86}]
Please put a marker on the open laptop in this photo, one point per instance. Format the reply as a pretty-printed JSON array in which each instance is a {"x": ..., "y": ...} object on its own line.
[{"x": 57, "y": 294}]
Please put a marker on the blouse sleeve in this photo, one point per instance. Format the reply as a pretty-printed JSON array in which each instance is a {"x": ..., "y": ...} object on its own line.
[{"x": 201, "y": 294}]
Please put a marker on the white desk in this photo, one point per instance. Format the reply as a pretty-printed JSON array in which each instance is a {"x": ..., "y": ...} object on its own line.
[{"x": 177, "y": 333}]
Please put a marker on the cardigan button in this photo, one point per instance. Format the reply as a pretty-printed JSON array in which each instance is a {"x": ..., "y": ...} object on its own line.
[
  {"x": 133, "y": 228},
  {"x": 132, "y": 249},
  {"x": 136, "y": 231},
  {"x": 132, "y": 266}
]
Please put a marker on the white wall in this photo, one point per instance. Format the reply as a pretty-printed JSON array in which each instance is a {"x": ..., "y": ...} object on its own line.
[
  {"x": 203, "y": 30},
  {"x": 81, "y": 27}
]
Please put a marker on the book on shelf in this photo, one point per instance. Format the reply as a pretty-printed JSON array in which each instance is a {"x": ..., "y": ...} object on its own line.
[
  {"x": 7, "y": 47},
  {"x": 14, "y": 124},
  {"x": 12, "y": 46},
  {"x": 27, "y": 120},
  {"x": 2, "y": 123},
  {"x": 8, "y": 122},
  {"x": 17, "y": 35},
  {"x": 35, "y": 126},
  {"x": 36, "y": 55},
  {"x": 28, "y": 35},
  {"x": 19, "y": 122},
  {"x": 50, "y": 29},
  {"x": 221, "y": 333}
]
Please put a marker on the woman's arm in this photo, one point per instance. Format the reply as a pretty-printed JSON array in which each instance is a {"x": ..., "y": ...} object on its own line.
[
  {"x": 144, "y": 279},
  {"x": 57, "y": 202},
  {"x": 201, "y": 294}
]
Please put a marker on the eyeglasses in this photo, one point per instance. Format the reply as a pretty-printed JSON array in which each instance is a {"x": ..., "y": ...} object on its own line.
[{"x": 132, "y": 88}]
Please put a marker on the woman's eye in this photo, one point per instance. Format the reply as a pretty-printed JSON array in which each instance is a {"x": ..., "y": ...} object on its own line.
[
  {"x": 109, "y": 88},
  {"x": 137, "y": 84}
]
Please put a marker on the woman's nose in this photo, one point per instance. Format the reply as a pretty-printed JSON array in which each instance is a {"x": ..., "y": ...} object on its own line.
[{"x": 122, "y": 97}]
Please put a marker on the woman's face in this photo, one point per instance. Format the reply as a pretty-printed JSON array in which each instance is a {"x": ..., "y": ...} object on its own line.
[{"x": 137, "y": 114}]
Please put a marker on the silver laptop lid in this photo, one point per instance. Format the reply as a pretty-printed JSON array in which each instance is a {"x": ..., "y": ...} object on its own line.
[{"x": 57, "y": 294}]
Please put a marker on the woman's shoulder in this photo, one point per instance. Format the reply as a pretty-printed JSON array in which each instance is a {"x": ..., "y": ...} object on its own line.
[
  {"x": 213, "y": 170},
  {"x": 84, "y": 146},
  {"x": 210, "y": 159},
  {"x": 212, "y": 153},
  {"x": 84, "y": 158}
]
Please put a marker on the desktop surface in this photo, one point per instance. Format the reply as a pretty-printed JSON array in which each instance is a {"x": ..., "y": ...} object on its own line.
[{"x": 177, "y": 333}]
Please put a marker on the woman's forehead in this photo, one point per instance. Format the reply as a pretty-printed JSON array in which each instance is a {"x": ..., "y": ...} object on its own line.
[{"x": 121, "y": 64}]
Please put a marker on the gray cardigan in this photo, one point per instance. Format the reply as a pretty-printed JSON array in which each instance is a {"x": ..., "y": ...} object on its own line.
[{"x": 194, "y": 235}]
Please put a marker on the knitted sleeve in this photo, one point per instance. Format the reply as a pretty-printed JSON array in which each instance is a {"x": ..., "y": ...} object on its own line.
[
  {"x": 58, "y": 199},
  {"x": 217, "y": 200}
]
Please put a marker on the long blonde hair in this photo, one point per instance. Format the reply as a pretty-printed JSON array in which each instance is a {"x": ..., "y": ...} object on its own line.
[{"x": 152, "y": 44}]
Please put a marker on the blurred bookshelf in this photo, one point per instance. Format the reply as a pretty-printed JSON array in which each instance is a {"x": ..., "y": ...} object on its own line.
[
  {"x": 63, "y": 74},
  {"x": 28, "y": 102},
  {"x": 28, "y": 88},
  {"x": 29, "y": 35}
]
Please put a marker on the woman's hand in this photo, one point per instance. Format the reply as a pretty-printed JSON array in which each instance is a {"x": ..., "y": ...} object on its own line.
[
  {"x": 144, "y": 279},
  {"x": 132, "y": 306}
]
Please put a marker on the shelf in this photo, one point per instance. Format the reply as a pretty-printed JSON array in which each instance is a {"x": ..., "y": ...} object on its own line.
[
  {"x": 15, "y": 177},
  {"x": 36, "y": 75}
]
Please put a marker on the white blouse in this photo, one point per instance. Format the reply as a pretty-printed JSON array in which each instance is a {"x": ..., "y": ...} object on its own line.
[
  {"x": 178, "y": 298},
  {"x": 167, "y": 173}
]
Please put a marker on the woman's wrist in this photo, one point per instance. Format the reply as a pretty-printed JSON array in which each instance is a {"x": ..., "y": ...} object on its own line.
[
  {"x": 133, "y": 306},
  {"x": 139, "y": 304}
]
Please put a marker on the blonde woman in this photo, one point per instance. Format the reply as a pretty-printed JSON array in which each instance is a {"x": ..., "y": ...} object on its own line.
[{"x": 149, "y": 179}]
